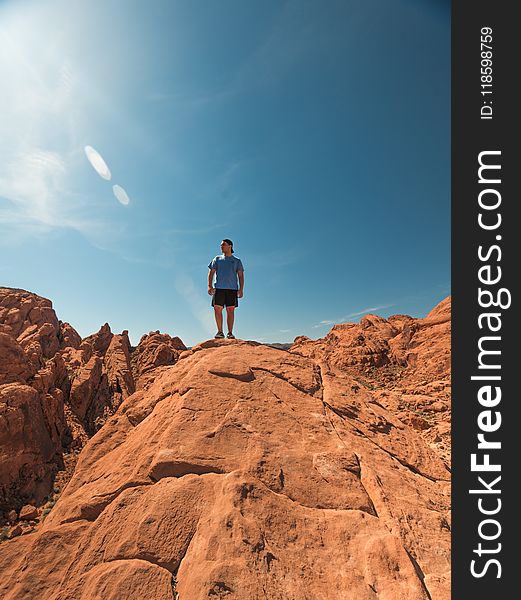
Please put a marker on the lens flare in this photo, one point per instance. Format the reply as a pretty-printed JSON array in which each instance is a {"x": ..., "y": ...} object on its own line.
[
  {"x": 120, "y": 194},
  {"x": 97, "y": 162}
]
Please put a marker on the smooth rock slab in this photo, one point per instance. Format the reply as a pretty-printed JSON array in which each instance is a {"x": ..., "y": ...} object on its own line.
[{"x": 294, "y": 484}]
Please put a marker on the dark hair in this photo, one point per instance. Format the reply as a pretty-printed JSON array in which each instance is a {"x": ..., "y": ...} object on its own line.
[{"x": 228, "y": 242}]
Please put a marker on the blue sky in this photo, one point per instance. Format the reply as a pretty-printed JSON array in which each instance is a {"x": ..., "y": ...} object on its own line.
[{"x": 315, "y": 135}]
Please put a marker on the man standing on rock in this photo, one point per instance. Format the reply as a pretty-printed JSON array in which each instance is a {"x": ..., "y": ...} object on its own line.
[{"x": 226, "y": 292}]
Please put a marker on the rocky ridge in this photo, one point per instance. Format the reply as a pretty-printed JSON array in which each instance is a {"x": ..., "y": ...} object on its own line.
[
  {"x": 56, "y": 391},
  {"x": 245, "y": 471},
  {"x": 404, "y": 361}
]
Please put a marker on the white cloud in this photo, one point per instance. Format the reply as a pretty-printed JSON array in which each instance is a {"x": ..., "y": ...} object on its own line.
[
  {"x": 364, "y": 311},
  {"x": 35, "y": 135},
  {"x": 44, "y": 116},
  {"x": 31, "y": 182}
]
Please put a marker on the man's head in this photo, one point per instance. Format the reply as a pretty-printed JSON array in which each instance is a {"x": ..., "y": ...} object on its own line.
[{"x": 227, "y": 246}]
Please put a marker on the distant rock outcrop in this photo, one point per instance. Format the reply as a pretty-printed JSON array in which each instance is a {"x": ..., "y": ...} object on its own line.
[
  {"x": 154, "y": 350},
  {"x": 32, "y": 385},
  {"x": 246, "y": 472},
  {"x": 404, "y": 361},
  {"x": 57, "y": 390}
]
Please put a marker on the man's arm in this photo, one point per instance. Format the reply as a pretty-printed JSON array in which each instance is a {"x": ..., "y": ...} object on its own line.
[
  {"x": 240, "y": 275},
  {"x": 211, "y": 289}
]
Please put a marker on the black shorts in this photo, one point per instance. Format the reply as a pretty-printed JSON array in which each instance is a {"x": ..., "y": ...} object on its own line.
[{"x": 225, "y": 297}]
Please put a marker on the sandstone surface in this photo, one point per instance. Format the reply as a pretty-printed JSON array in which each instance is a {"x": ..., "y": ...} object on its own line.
[{"x": 247, "y": 472}]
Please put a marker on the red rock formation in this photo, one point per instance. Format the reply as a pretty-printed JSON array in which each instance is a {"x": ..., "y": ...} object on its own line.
[
  {"x": 246, "y": 472},
  {"x": 27, "y": 453},
  {"x": 100, "y": 341},
  {"x": 31, "y": 320},
  {"x": 14, "y": 364},
  {"x": 403, "y": 360},
  {"x": 117, "y": 364},
  {"x": 69, "y": 337},
  {"x": 424, "y": 344},
  {"x": 33, "y": 429},
  {"x": 85, "y": 386},
  {"x": 235, "y": 469},
  {"x": 78, "y": 384},
  {"x": 154, "y": 350}
]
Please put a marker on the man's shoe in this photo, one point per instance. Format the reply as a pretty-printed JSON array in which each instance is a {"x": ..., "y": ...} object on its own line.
[
  {"x": 219, "y": 334},
  {"x": 230, "y": 336}
]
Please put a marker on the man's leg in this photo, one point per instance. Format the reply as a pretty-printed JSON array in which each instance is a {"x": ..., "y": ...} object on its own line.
[
  {"x": 218, "y": 316},
  {"x": 230, "y": 313}
]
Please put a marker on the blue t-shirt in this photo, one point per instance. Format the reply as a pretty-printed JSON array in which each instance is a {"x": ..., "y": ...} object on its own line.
[{"x": 226, "y": 268}]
